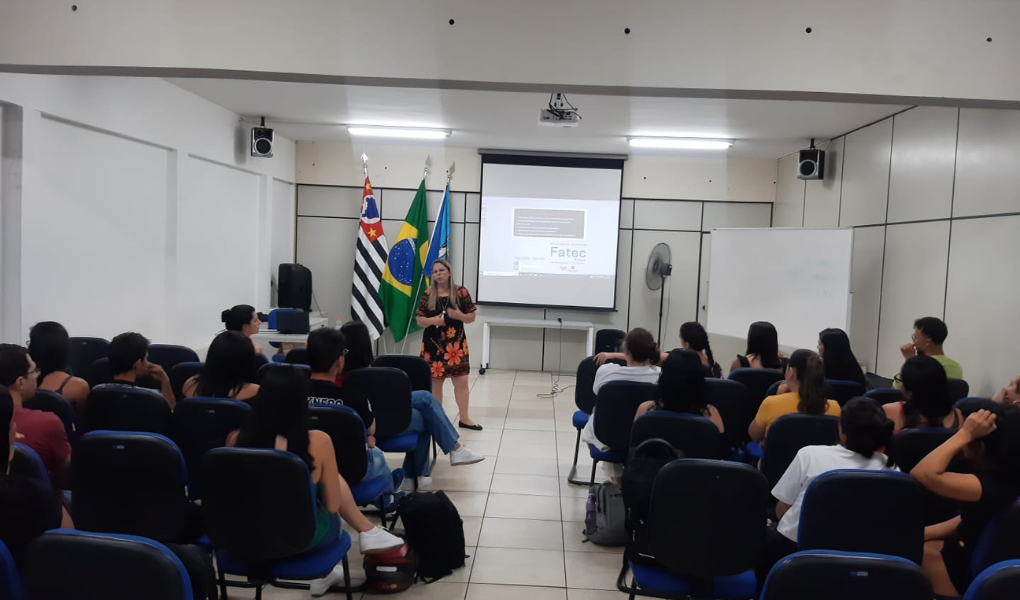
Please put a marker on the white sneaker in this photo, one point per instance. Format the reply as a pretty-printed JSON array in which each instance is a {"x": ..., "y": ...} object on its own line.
[
  {"x": 378, "y": 540},
  {"x": 464, "y": 456},
  {"x": 424, "y": 482},
  {"x": 318, "y": 587}
]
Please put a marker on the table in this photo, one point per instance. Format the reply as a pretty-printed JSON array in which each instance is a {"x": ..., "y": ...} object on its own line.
[
  {"x": 271, "y": 335},
  {"x": 488, "y": 324}
]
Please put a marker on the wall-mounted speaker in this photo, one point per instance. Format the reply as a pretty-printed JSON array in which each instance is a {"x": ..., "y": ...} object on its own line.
[
  {"x": 811, "y": 164},
  {"x": 262, "y": 142}
]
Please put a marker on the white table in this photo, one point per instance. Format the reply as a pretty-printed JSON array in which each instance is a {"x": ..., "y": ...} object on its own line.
[
  {"x": 271, "y": 335},
  {"x": 488, "y": 324}
]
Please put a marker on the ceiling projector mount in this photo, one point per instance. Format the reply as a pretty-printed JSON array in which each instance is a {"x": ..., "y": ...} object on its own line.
[{"x": 561, "y": 113}]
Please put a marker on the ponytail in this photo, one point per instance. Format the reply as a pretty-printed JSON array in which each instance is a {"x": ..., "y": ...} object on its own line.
[
  {"x": 716, "y": 369},
  {"x": 695, "y": 335},
  {"x": 811, "y": 375},
  {"x": 866, "y": 428}
]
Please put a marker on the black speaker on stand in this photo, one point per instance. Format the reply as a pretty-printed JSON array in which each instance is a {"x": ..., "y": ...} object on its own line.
[{"x": 294, "y": 287}]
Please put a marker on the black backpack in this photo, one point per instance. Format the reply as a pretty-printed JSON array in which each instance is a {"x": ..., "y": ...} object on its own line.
[
  {"x": 435, "y": 532},
  {"x": 636, "y": 485}
]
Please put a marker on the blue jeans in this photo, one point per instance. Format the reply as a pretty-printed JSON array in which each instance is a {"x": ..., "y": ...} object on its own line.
[
  {"x": 429, "y": 421},
  {"x": 377, "y": 466}
]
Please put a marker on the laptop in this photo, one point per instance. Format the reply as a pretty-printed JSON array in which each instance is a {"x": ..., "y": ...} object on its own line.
[{"x": 292, "y": 322}]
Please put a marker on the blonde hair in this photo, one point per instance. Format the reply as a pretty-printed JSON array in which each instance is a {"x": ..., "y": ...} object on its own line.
[{"x": 434, "y": 289}]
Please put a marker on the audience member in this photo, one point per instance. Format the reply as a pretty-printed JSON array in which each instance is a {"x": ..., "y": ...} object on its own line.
[
  {"x": 50, "y": 346},
  {"x": 227, "y": 370},
  {"x": 926, "y": 399},
  {"x": 762, "y": 349},
  {"x": 990, "y": 442},
  {"x": 245, "y": 319},
  {"x": 929, "y": 335},
  {"x": 864, "y": 432},
  {"x": 129, "y": 360},
  {"x": 682, "y": 388},
  {"x": 840, "y": 362},
  {"x": 692, "y": 337},
  {"x": 27, "y": 509},
  {"x": 279, "y": 419},
  {"x": 805, "y": 380},
  {"x": 427, "y": 417},
  {"x": 42, "y": 431},
  {"x": 1009, "y": 394}
]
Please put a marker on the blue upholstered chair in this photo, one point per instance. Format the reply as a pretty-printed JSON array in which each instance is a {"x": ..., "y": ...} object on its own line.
[
  {"x": 201, "y": 424},
  {"x": 27, "y": 463},
  {"x": 584, "y": 400},
  {"x": 10, "y": 580},
  {"x": 116, "y": 407},
  {"x": 998, "y": 582},
  {"x": 694, "y": 435},
  {"x": 816, "y": 574},
  {"x": 843, "y": 391},
  {"x": 169, "y": 355},
  {"x": 615, "y": 406},
  {"x": 84, "y": 352},
  {"x": 884, "y": 395},
  {"x": 261, "y": 373}
]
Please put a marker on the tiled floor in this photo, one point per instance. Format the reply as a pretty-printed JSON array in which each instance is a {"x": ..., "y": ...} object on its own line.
[{"x": 522, "y": 520}]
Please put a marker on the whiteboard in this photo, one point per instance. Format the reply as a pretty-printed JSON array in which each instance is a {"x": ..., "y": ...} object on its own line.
[{"x": 797, "y": 279}]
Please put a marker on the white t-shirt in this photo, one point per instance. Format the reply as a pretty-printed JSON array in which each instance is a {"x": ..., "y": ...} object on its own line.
[
  {"x": 810, "y": 462},
  {"x": 610, "y": 372}
]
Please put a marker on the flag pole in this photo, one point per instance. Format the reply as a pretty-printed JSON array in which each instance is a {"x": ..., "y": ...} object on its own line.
[
  {"x": 364, "y": 163},
  {"x": 421, "y": 278}
]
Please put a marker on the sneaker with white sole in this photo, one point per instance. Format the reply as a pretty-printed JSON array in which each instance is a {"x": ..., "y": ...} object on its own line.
[
  {"x": 464, "y": 456},
  {"x": 378, "y": 540},
  {"x": 318, "y": 587},
  {"x": 424, "y": 482}
]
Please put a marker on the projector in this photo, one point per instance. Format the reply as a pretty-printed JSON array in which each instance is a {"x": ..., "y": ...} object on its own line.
[{"x": 559, "y": 118}]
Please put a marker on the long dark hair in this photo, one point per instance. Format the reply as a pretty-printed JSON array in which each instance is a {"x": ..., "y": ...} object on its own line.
[
  {"x": 811, "y": 376},
  {"x": 236, "y": 317},
  {"x": 279, "y": 409},
  {"x": 49, "y": 346},
  {"x": 694, "y": 334},
  {"x": 359, "y": 346},
  {"x": 682, "y": 384},
  {"x": 839, "y": 359},
  {"x": 640, "y": 344},
  {"x": 6, "y": 414},
  {"x": 228, "y": 365},
  {"x": 926, "y": 381},
  {"x": 866, "y": 427},
  {"x": 763, "y": 341}
]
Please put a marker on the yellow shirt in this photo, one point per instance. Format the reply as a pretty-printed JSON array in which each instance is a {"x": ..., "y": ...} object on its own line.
[{"x": 774, "y": 407}]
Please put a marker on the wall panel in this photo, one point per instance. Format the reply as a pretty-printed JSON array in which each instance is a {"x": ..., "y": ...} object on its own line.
[
  {"x": 923, "y": 158},
  {"x": 987, "y": 180},
  {"x": 866, "y": 175},
  {"x": 821, "y": 198},
  {"x": 789, "y": 206}
]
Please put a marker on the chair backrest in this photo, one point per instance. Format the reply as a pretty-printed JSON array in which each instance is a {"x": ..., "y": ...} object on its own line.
[
  {"x": 758, "y": 383},
  {"x": 730, "y": 399},
  {"x": 998, "y": 582},
  {"x": 958, "y": 389},
  {"x": 788, "y": 434},
  {"x": 10, "y": 579},
  {"x": 609, "y": 340},
  {"x": 389, "y": 391},
  {"x": 815, "y": 574},
  {"x": 694, "y": 435},
  {"x": 297, "y": 356},
  {"x": 201, "y": 424},
  {"x": 884, "y": 395},
  {"x": 416, "y": 368},
  {"x": 908, "y": 448},
  {"x": 116, "y": 407},
  {"x": 84, "y": 352},
  {"x": 717, "y": 530},
  {"x": 170, "y": 355},
  {"x": 831, "y": 517},
  {"x": 275, "y": 365},
  {"x": 615, "y": 407},
  {"x": 584, "y": 395},
  {"x": 258, "y": 504},
  {"x": 774, "y": 388},
  {"x": 65, "y": 564},
  {"x": 347, "y": 430},
  {"x": 843, "y": 391},
  {"x": 963, "y": 403},
  {"x": 101, "y": 372},
  {"x": 180, "y": 373},
  {"x": 53, "y": 402},
  {"x": 130, "y": 483},
  {"x": 999, "y": 541},
  {"x": 27, "y": 463}
]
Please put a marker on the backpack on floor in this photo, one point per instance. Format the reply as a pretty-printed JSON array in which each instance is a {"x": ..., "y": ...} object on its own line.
[
  {"x": 637, "y": 483},
  {"x": 435, "y": 532},
  {"x": 604, "y": 518}
]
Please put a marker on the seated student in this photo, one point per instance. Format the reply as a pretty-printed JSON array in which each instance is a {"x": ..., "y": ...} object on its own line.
[
  {"x": 926, "y": 400},
  {"x": 805, "y": 380},
  {"x": 245, "y": 320},
  {"x": 864, "y": 432},
  {"x": 762, "y": 349},
  {"x": 682, "y": 388},
  {"x": 279, "y": 419},
  {"x": 692, "y": 337},
  {"x": 49, "y": 346},
  {"x": 129, "y": 360},
  {"x": 227, "y": 369},
  {"x": 1009, "y": 394},
  {"x": 42, "y": 431},
  {"x": 929, "y": 335},
  {"x": 990, "y": 442},
  {"x": 27, "y": 510},
  {"x": 427, "y": 416},
  {"x": 839, "y": 359}
]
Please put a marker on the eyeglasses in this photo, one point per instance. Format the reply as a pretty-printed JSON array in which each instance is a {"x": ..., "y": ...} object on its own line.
[
  {"x": 897, "y": 379},
  {"x": 34, "y": 371},
  {"x": 913, "y": 337}
]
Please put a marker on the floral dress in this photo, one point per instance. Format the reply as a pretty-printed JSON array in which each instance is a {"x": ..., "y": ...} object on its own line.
[{"x": 446, "y": 348}]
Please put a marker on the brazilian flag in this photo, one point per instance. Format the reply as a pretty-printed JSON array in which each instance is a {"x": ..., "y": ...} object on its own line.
[{"x": 402, "y": 277}]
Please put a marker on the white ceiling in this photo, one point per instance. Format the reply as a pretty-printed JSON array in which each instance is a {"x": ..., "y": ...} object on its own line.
[{"x": 509, "y": 120}]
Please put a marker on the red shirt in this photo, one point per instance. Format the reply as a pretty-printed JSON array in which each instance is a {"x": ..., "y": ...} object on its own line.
[{"x": 44, "y": 432}]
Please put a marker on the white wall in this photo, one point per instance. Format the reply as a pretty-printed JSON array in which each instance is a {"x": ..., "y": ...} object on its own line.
[
  {"x": 708, "y": 195},
  {"x": 139, "y": 209},
  {"x": 933, "y": 195}
]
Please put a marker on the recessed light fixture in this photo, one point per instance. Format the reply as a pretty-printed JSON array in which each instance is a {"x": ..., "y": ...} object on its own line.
[
  {"x": 680, "y": 143},
  {"x": 416, "y": 133}
]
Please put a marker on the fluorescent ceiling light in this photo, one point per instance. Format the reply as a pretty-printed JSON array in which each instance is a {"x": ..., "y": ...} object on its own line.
[
  {"x": 680, "y": 143},
  {"x": 417, "y": 133}
]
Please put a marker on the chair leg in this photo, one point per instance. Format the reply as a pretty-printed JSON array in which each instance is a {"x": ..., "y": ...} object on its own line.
[
  {"x": 594, "y": 466},
  {"x": 258, "y": 592},
  {"x": 633, "y": 588},
  {"x": 347, "y": 578},
  {"x": 223, "y": 585},
  {"x": 572, "y": 475}
]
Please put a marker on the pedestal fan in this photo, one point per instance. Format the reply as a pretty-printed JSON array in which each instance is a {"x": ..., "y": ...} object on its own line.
[{"x": 659, "y": 268}]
